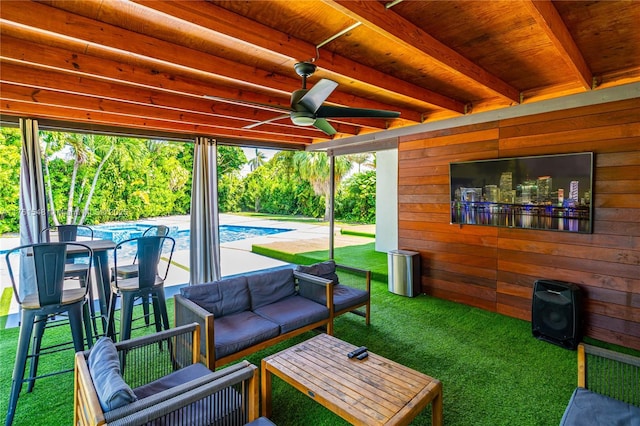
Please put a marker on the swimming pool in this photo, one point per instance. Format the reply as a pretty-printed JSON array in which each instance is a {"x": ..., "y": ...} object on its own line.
[{"x": 228, "y": 233}]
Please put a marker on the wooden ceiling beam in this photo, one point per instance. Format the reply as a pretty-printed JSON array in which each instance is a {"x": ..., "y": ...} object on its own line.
[
  {"x": 102, "y": 38},
  {"x": 385, "y": 22},
  {"x": 82, "y": 118},
  {"x": 48, "y": 79},
  {"x": 110, "y": 41},
  {"x": 257, "y": 36},
  {"x": 33, "y": 47},
  {"x": 84, "y": 108},
  {"x": 151, "y": 83},
  {"x": 549, "y": 20}
]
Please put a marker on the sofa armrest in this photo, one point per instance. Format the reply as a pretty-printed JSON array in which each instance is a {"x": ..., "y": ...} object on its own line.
[
  {"x": 610, "y": 373},
  {"x": 365, "y": 273},
  {"x": 318, "y": 289},
  {"x": 186, "y": 311},
  {"x": 315, "y": 288},
  {"x": 242, "y": 377}
]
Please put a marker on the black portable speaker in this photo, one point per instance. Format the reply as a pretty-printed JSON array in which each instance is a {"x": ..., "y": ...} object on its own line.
[{"x": 555, "y": 313}]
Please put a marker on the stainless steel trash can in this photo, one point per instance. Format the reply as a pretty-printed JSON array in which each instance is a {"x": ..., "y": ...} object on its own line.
[{"x": 404, "y": 272}]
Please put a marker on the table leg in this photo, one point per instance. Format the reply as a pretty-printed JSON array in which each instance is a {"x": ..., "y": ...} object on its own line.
[
  {"x": 101, "y": 264},
  {"x": 436, "y": 409},
  {"x": 265, "y": 390}
]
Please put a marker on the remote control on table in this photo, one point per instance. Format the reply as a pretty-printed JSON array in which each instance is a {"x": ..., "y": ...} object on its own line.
[
  {"x": 357, "y": 352},
  {"x": 363, "y": 355}
]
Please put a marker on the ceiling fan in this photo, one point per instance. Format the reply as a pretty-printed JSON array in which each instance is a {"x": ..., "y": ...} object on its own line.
[{"x": 308, "y": 109}]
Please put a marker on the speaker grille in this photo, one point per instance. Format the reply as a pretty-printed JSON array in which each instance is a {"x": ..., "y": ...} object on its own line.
[{"x": 555, "y": 313}]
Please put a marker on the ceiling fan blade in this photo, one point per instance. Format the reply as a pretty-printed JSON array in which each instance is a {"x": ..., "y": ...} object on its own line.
[
  {"x": 247, "y": 103},
  {"x": 319, "y": 93},
  {"x": 324, "y": 125},
  {"x": 329, "y": 111},
  {"x": 252, "y": 125}
]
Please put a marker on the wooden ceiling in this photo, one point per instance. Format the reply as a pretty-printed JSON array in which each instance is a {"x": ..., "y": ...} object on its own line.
[{"x": 148, "y": 65}]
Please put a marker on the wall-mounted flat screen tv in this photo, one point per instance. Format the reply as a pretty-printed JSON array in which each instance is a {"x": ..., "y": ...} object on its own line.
[{"x": 551, "y": 192}]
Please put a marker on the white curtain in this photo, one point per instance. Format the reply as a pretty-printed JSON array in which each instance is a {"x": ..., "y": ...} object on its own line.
[
  {"x": 205, "y": 242},
  {"x": 33, "y": 208}
]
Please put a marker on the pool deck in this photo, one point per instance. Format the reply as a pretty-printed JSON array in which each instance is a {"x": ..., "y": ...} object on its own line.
[{"x": 236, "y": 256}]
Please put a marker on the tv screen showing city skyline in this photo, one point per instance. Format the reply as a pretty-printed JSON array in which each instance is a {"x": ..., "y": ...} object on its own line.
[{"x": 539, "y": 192}]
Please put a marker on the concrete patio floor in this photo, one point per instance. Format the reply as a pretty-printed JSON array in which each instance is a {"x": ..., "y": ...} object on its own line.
[{"x": 236, "y": 256}]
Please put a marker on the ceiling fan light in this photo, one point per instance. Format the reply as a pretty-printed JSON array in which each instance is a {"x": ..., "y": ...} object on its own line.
[{"x": 302, "y": 119}]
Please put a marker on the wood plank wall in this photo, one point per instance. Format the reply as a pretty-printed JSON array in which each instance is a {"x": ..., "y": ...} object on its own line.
[{"x": 495, "y": 268}]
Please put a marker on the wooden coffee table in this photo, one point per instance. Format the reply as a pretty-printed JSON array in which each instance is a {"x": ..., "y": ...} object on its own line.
[{"x": 372, "y": 391}]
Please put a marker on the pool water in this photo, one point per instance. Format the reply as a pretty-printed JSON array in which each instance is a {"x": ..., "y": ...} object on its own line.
[{"x": 228, "y": 233}]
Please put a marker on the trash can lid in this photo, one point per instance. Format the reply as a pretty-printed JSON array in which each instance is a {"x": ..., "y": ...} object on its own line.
[{"x": 403, "y": 252}]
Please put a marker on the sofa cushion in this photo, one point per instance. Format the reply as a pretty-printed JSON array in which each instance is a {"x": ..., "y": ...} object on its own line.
[
  {"x": 223, "y": 297},
  {"x": 104, "y": 367},
  {"x": 293, "y": 312},
  {"x": 178, "y": 377},
  {"x": 345, "y": 297},
  {"x": 325, "y": 270},
  {"x": 220, "y": 408},
  {"x": 235, "y": 295},
  {"x": 238, "y": 331},
  {"x": 588, "y": 408},
  {"x": 269, "y": 287}
]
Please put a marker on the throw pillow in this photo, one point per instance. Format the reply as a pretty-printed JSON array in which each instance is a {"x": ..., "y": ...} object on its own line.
[
  {"x": 104, "y": 368},
  {"x": 325, "y": 270}
]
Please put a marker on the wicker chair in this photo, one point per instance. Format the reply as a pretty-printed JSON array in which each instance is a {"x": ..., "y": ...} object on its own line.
[
  {"x": 608, "y": 391},
  {"x": 169, "y": 385}
]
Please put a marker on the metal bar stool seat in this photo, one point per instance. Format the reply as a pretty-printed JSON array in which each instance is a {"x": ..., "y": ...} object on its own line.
[
  {"x": 45, "y": 297},
  {"x": 149, "y": 284},
  {"x": 73, "y": 270},
  {"x": 131, "y": 270}
]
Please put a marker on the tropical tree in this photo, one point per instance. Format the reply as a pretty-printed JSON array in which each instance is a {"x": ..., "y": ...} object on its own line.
[
  {"x": 314, "y": 167},
  {"x": 360, "y": 159},
  {"x": 102, "y": 148},
  {"x": 356, "y": 198},
  {"x": 10, "y": 147},
  {"x": 258, "y": 160},
  {"x": 81, "y": 155},
  {"x": 230, "y": 159}
]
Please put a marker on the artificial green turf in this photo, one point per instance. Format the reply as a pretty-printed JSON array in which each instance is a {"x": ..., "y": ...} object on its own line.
[
  {"x": 357, "y": 233},
  {"x": 363, "y": 256},
  {"x": 492, "y": 370}
]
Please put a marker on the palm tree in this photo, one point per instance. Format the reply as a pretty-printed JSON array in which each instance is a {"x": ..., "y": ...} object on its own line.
[
  {"x": 50, "y": 141},
  {"x": 314, "y": 167},
  {"x": 258, "y": 160},
  {"x": 104, "y": 145},
  {"x": 81, "y": 155},
  {"x": 359, "y": 159}
]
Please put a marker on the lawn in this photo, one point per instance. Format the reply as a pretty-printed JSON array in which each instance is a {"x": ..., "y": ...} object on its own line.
[{"x": 493, "y": 371}]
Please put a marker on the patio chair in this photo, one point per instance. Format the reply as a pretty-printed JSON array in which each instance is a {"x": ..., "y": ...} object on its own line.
[
  {"x": 40, "y": 301},
  {"x": 147, "y": 284},
  {"x": 73, "y": 270},
  {"x": 131, "y": 271},
  {"x": 161, "y": 387}
]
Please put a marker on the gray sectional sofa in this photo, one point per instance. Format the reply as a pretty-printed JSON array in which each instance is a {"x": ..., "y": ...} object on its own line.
[{"x": 242, "y": 314}]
